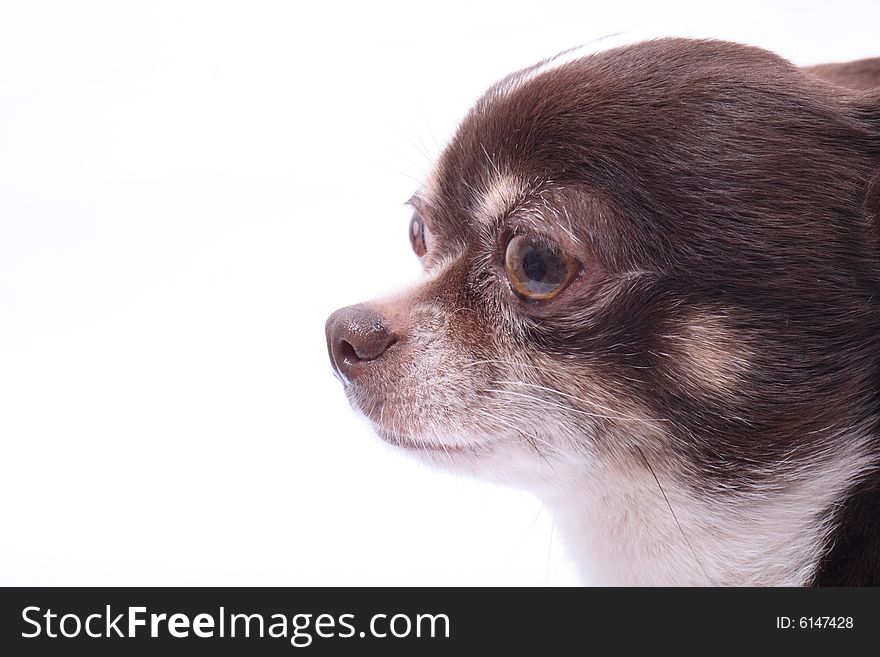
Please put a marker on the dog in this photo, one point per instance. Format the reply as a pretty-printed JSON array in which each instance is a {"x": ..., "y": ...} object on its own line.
[{"x": 651, "y": 296}]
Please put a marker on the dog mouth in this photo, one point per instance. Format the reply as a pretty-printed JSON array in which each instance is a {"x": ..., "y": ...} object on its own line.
[
  {"x": 412, "y": 433},
  {"x": 375, "y": 410}
]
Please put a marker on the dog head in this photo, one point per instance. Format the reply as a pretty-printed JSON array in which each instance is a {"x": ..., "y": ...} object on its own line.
[{"x": 658, "y": 260}]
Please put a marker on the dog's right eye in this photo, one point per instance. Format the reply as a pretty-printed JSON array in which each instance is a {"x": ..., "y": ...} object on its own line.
[
  {"x": 538, "y": 270},
  {"x": 419, "y": 235}
]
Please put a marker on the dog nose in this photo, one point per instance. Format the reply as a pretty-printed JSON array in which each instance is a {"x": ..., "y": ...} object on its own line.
[{"x": 356, "y": 335}]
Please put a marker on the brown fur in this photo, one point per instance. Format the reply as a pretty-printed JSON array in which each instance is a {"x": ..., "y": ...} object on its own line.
[{"x": 723, "y": 204}]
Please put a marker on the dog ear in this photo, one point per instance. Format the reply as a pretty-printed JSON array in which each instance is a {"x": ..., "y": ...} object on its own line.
[
  {"x": 872, "y": 207},
  {"x": 858, "y": 74},
  {"x": 866, "y": 106}
]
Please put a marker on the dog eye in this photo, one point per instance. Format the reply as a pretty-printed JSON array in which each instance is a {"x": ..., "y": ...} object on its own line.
[
  {"x": 537, "y": 270},
  {"x": 419, "y": 235}
]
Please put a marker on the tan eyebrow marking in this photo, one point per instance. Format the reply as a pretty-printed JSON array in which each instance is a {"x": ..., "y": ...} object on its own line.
[{"x": 501, "y": 196}]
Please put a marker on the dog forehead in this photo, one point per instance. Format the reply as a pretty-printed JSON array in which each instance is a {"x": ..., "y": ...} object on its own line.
[
  {"x": 647, "y": 129},
  {"x": 502, "y": 151},
  {"x": 515, "y": 145},
  {"x": 552, "y": 119},
  {"x": 597, "y": 99}
]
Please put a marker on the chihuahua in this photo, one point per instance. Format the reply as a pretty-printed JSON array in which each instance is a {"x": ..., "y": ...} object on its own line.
[{"x": 651, "y": 296}]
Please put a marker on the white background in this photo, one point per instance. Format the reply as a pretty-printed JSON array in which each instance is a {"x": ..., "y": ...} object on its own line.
[{"x": 187, "y": 190}]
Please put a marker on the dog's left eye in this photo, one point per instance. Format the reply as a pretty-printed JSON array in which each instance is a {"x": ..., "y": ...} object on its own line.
[
  {"x": 538, "y": 270},
  {"x": 419, "y": 235}
]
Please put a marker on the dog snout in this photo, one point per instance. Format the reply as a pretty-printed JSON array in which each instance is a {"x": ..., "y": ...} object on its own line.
[{"x": 356, "y": 335}]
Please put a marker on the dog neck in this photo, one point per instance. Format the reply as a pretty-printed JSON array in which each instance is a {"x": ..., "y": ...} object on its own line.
[{"x": 628, "y": 527}]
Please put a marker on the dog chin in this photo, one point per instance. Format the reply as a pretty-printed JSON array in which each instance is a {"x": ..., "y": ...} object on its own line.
[
  {"x": 411, "y": 439},
  {"x": 412, "y": 444},
  {"x": 492, "y": 460},
  {"x": 467, "y": 457}
]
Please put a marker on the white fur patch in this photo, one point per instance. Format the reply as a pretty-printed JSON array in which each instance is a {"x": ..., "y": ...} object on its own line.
[{"x": 621, "y": 531}]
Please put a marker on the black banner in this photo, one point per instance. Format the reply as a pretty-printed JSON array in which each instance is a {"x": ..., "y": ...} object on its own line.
[{"x": 407, "y": 621}]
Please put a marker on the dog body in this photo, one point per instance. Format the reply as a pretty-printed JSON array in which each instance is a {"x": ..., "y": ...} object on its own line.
[{"x": 652, "y": 297}]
